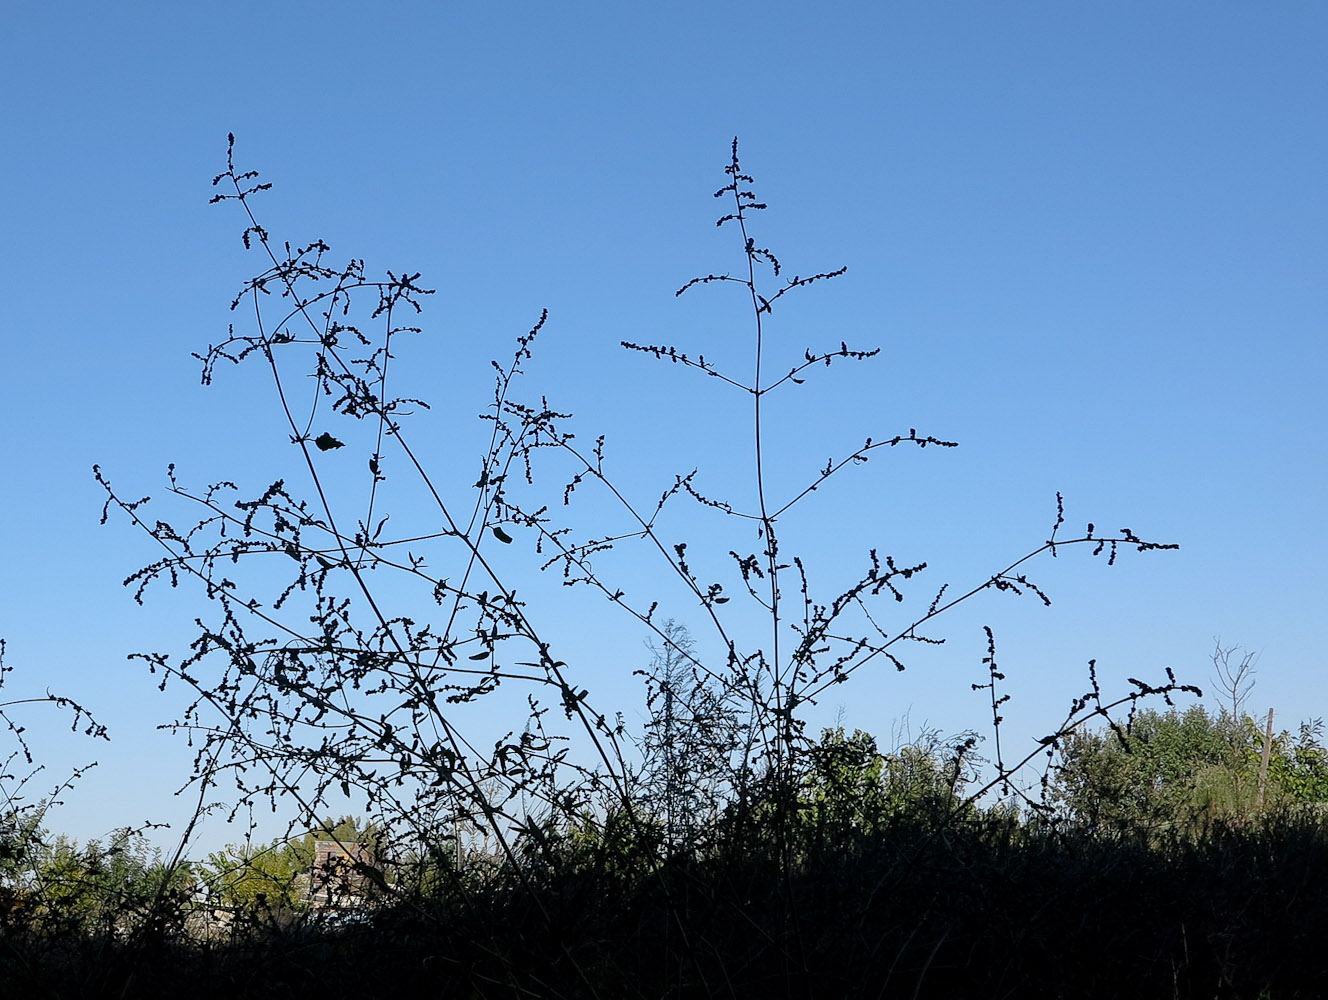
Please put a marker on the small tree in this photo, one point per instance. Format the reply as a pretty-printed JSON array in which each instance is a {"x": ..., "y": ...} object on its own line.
[
  {"x": 693, "y": 750},
  {"x": 1235, "y": 680},
  {"x": 113, "y": 886},
  {"x": 852, "y": 789},
  {"x": 256, "y": 877}
]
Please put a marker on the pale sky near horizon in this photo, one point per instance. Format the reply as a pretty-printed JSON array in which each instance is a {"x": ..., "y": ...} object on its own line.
[{"x": 1091, "y": 241}]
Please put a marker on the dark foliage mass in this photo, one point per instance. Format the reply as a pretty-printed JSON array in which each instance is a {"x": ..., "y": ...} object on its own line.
[
  {"x": 360, "y": 608},
  {"x": 982, "y": 907}
]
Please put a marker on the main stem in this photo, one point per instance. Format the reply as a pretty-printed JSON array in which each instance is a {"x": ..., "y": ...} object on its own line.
[{"x": 767, "y": 522}]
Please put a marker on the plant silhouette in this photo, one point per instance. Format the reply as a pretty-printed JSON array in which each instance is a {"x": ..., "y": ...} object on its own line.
[{"x": 313, "y": 677}]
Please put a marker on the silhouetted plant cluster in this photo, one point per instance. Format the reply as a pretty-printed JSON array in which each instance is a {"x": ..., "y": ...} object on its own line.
[{"x": 361, "y": 609}]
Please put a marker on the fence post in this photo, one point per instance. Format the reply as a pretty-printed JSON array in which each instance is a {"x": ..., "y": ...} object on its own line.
[{"x": 1267, "y": 752}]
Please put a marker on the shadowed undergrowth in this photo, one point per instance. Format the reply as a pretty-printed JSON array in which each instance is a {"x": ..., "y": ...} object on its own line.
[{"x": 982, "y": 907}]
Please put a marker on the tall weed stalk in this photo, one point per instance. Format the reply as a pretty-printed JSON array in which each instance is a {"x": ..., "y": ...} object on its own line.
[{"x": 309, "y": 683}]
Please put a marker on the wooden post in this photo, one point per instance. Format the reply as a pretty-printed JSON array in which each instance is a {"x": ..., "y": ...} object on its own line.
[{"x": 1267, "y": 752}]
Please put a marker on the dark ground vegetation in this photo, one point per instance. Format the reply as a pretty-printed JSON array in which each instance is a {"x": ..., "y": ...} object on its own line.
[{"x": 891, "y": 887}]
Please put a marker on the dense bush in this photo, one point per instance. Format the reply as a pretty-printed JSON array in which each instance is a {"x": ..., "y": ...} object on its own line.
[{"x": 1178, "y": 772}]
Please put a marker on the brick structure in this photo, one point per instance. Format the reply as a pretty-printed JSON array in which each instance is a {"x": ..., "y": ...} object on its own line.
[{"x": 336, "y": 878}]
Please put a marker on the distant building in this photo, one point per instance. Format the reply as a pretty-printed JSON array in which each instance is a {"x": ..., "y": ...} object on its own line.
[{"x": 337, "y": 877}]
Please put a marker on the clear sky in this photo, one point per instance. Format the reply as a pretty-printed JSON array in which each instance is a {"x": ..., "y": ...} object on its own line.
[{"x": 1090, "y": 239}]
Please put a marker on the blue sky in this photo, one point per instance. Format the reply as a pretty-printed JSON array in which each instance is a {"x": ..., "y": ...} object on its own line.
[{"x": 1089, "y": 239}]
